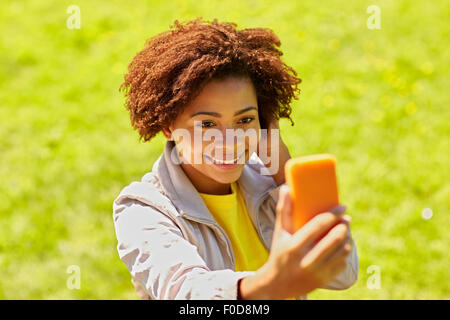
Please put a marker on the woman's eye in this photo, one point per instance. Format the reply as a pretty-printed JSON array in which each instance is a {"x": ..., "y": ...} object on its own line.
[
  {"x": 207, "y": 124},
  {"x": 246, "y": 120}
]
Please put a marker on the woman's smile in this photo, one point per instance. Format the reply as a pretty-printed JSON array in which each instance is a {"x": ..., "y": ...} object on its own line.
[{"x": 224, "y": 164}]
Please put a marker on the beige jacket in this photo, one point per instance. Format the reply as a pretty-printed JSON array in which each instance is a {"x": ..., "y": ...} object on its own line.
[{"x": 174, "y": 248}]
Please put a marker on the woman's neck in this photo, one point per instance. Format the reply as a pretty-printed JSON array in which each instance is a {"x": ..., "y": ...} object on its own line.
[{"x": 204, "y": 184}]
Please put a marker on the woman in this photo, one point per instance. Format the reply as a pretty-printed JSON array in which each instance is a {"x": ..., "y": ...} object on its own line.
[{"x": 212, "y": 220}]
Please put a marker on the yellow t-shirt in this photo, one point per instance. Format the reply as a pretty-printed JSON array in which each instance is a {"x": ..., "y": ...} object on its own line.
[{"x": 230, "y": 212}]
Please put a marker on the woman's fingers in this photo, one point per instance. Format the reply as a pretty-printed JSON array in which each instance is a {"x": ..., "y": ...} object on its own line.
[
  {"x": 335, "y": 265},
  {"x": 280, "y": 206},
  {"x": 284, "y": 210},
  {"x": 331, "y": 242},
  {"x": 316, "y": 227},
  {"x": 340, "y": 254},
  {"x": 287, "y": 218},
  {"x": 281, "y": 211}
]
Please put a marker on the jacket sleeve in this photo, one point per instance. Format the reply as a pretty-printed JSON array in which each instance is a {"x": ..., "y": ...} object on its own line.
[
  {"x": 349, "y": 276},
  {"x": 346, "y": 278},
  {"x": 162, "y": 261}
]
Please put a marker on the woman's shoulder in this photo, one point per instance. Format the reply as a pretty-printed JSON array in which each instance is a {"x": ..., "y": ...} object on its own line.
[{"x": 147, "y": 192}]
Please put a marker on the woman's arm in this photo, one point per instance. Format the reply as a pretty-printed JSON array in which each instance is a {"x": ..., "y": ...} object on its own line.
[
  {"x": 162, "y": 262},
  {"x": 299, "y": 262},
  {"x": 347, "y": 277}
]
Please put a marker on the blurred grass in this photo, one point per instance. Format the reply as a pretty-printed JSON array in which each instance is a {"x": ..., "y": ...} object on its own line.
[{"x": 377, "y": 99}]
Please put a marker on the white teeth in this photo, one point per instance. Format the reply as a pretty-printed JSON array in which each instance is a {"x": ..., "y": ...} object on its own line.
[{"x": 217, "y": 161}]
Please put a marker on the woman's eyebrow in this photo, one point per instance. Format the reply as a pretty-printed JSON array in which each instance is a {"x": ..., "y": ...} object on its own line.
[
  {"x": 218, "y": 115},
  {"x": 244, "y": 110},
  {"x": 214, "y": 114}
]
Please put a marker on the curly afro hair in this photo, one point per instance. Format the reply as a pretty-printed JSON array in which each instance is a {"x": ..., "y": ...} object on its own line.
[{"x": 175, "y": 65}]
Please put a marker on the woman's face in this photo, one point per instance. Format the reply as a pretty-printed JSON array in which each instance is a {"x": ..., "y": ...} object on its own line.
[{"x": 204, "y": 131}]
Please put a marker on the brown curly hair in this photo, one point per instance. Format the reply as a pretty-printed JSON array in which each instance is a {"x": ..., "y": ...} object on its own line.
[{"x": 175, "y": 65}]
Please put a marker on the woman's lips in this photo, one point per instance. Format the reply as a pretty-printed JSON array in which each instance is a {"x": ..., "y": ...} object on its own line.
[{"x": 225, "y": 164}]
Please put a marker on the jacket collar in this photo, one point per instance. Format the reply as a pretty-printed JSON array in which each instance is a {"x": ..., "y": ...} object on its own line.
[
  {"x": 185, "y": 196},
  {"x": 179, "y": 187}
]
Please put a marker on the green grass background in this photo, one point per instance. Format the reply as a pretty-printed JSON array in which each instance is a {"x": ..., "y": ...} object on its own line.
[{"x": 377, "y": 99}]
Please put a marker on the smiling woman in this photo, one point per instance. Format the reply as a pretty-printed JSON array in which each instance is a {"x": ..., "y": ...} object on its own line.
[
  {"x": 224, "y": 100},
  {"x": 205, "y": 229}
]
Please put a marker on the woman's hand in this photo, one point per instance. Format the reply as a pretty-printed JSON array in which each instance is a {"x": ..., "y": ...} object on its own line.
[
  {"x": 276, "y": 148},
  {"x": 303, "y": 261}
]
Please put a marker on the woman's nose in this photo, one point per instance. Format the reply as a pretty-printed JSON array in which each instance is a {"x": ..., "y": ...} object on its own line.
[{"x": 230, "y": 144}]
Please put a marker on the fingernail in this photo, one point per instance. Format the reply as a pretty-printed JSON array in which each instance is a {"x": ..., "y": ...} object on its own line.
[{"x": 339, "y": 209}]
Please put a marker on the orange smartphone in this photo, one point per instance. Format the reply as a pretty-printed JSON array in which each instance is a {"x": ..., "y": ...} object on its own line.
[{"x": 313, "y": 186}]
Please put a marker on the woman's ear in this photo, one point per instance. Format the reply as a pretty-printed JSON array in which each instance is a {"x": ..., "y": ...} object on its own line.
[{"x": 168, "y": 133}]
